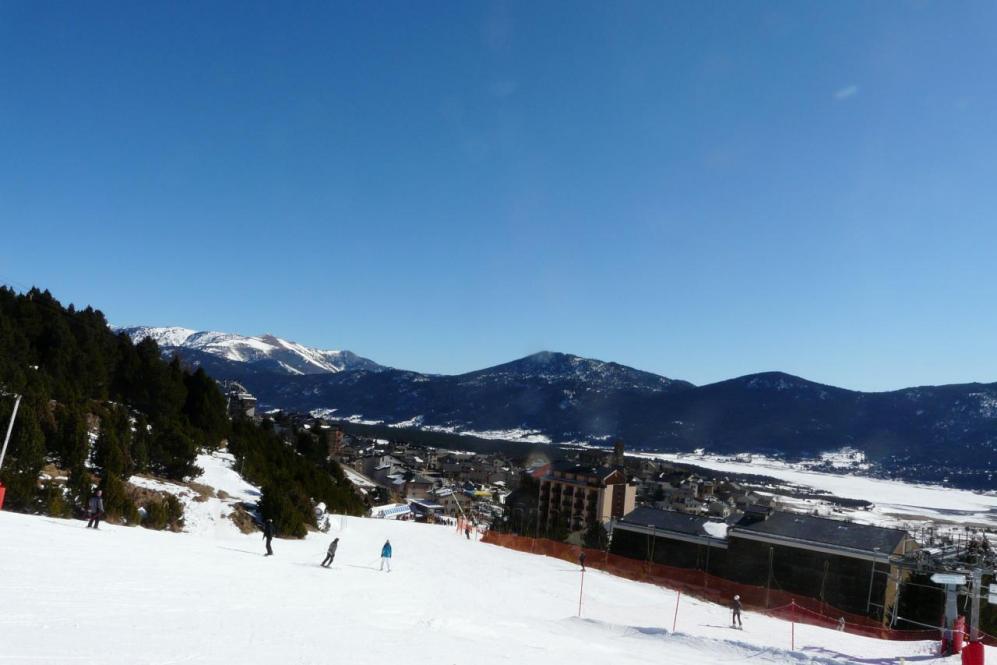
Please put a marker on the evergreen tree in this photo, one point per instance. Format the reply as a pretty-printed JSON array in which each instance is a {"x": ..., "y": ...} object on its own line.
[
  {"x": 287, "y": 518},
  {"x": 79, "y": 487},
  {"x": 113, "y": 447},
  {"x": 24, "y": 461},
  {"x": 559, "y": 530},
  {"x": 172, "y": 452},
  {"x": 74, "y": 371},
  {"x": 292, "y": 483},
  {"x": 596, "y": 537},
  {"x": 307, "y": 444},
  {"x": 205, "y": 408},
  {"x": 140, "y": 445},
  {"x": 117, "y": 504},
  {"x": 74, "y": 440}
]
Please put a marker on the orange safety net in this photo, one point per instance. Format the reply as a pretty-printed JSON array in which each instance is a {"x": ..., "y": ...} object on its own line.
[{"x": 696, "y": 583}]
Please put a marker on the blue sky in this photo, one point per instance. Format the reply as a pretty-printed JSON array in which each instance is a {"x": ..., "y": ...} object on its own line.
[{"x": 702, "y": 190}]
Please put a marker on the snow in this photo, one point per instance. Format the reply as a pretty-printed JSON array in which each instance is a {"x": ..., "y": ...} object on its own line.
[
  {"x": 132, "y": 596},
  {"x": 716, "y": 529},
  {"x": 390, "y": 511},
  {"x": 123, "y": 596},
  {"x": 208, "y": 515},
  {"x": 894, "y": 500},
  {"x": 171, "y": 336},
  {"x": 519, "y": 435},
  {"x": 289, "y": 369},
  {"x": 294, "y": 358},
  {"x": 218, "y": 472},
  {"x": 358, "y": 479},
  {"x": 360, "y": 420},
  {"x": 411, "y": 422}
]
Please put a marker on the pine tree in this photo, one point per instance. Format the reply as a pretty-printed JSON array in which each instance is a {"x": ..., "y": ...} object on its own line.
[
  {"x": 140, "y": 445},
  {"x": 109, "y": 453},
  {"x": 172, "y": 452},
  {"x": 275, "y": 505},
  {"x": 596, "y": 536},
  {"x": 205, "y": 408},
  {"x": 117, "y": 504},
  {"x": 24, "y": 461},
  {"x": 79, "y": 486},
  {"x": 74, "y": 440}
]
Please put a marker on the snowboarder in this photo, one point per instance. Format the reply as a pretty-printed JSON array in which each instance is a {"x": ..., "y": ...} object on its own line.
[
  {"x": 268, "y": 534},
  {"x": 331, "y": 554},
  {"x": 386, "y": 555},
  {"x": 95, "y": 508},
  {"x": 581, "y": 561},
  {"x": 735, "y": 608}
]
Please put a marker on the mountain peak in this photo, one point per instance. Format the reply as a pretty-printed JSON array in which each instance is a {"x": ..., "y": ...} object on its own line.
[
  {"x": 775, "y": 380},
  {"x": 266, "y": 353},
  {"x": 555, "y": 366}
]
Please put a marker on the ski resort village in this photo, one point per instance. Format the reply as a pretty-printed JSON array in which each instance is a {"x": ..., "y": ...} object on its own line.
[
  {"x": 498, "y": 332},
  {"x": 438, "y": 554}
]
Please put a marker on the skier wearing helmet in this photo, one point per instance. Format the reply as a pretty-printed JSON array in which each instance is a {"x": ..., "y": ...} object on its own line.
[{"x": 735, "y": 608}]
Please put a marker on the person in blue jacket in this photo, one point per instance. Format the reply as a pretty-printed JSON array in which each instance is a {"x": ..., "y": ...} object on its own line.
[{"x": 386, "y": 555}]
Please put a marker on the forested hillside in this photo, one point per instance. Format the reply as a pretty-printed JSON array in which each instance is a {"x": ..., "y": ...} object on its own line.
[{"x": 100, "y": 407}]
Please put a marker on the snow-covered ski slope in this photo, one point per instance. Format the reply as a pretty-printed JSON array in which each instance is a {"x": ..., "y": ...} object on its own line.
[{"x": 130, "y": 596}]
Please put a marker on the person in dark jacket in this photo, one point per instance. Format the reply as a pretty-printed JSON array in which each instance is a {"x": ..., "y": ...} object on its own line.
[
  {"x": 331, "y": 554},
  {"x": 386, "y": 555},
  {"x": 735, "y": 609},
  {"x": 95, "y": 508},
  {"x": 581, "y": 561},
  {"x": 467, "y": 532},
  {"x": 268, "y": 534}
]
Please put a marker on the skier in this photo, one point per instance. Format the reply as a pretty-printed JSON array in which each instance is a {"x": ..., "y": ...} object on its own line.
[
  {"x": 268, "y": 534},
  {"x": 841, "y": 625},
  {"x": 581, "y": 561},
  {"x": 331, "y": 554},
  {"x": 467, "y": 531},
  {"x": 386, "y": 555},
  {"x": 735, "y": 608},
  {"x": 95, "y": 508}
]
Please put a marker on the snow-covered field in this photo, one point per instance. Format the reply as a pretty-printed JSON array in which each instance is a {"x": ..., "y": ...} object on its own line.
[
  {"x": 208, "y": 514},
  {"x": 894, "y": 502},
  {"x": 130, "y": 595}
]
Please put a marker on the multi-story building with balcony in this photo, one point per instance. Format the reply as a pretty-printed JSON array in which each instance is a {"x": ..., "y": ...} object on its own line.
[{"x": 577, "y": 496}]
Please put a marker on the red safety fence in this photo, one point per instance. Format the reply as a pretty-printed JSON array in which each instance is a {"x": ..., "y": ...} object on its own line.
[{"x": 696, "y": 583}]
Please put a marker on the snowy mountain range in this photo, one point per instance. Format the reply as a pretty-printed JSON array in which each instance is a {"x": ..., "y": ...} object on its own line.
[
  {"x": 265, "y": 353},
  {"x": 561, "y": 398}
]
